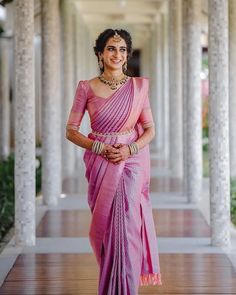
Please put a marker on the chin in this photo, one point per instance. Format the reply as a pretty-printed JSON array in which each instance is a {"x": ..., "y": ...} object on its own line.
[{"x": 115, "y": 67}]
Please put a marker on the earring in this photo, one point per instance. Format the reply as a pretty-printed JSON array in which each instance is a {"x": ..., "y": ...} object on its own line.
[
  {"x": 100, "y": 64},
  {"x": 125, "y": 67}
]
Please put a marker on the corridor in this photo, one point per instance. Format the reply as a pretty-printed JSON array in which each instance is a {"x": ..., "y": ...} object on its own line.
[
  {"x": 62, "y": 262},
  {"x": 187, "y": 50}
]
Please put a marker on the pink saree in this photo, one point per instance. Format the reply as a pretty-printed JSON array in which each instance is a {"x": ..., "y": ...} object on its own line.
[{"x": 122, "y": 232}]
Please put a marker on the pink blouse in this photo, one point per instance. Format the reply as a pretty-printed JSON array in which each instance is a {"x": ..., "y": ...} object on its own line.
[{"x": 86, "y": 99}]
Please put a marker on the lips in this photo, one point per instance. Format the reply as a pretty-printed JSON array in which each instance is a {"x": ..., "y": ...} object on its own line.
[{"x": 115, "y": 61}]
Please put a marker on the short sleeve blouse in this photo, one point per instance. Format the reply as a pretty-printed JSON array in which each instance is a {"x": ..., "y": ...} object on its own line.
[
  {"x": 145, "y": 117},
  {"x": 78, "y": 107}
]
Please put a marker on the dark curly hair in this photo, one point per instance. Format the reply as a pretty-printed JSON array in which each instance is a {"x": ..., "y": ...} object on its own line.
[{"x": 109, "y": 33}]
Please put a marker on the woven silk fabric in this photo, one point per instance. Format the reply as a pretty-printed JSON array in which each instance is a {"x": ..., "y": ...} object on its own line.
[{"x": 122, "y": 232}]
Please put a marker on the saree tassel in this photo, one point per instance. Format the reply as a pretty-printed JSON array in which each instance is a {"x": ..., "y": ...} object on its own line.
[{"x": 150, "y": 279}]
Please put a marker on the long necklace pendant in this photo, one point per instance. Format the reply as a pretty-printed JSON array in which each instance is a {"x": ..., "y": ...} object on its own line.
[{"x": 113, "y": 87}]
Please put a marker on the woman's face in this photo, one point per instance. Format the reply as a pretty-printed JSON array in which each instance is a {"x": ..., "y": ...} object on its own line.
[{"x": 114, "y": 54}]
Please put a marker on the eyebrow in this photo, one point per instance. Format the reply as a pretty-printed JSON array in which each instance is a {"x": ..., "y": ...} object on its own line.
[{"x": 115, "y": 46}]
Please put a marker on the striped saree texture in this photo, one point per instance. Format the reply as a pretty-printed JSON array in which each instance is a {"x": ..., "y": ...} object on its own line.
[{"x": 122, "y": 232}]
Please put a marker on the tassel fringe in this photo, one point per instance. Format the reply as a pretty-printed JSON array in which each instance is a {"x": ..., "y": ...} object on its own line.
[{"x": 150, "y": 279}]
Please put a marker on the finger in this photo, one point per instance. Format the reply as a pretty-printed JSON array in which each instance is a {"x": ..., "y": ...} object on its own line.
[
  {"x": 110, "y": 151},
  {"x": 116, "y": 160},
  {"x": 113, "y": 157},
  {"x": 116, "y": 145},
  {"x": 105, "y": 157}
]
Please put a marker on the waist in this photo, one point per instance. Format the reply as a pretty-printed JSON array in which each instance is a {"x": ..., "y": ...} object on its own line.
[{"x": 112, "y": 134}]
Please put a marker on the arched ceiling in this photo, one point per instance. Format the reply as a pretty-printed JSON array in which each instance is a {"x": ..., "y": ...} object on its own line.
[{"x": 137, "y": 16}]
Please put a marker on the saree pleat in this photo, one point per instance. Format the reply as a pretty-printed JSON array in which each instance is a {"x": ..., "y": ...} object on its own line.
[
  {"x": 116, "y": 275},
  {"x": 104, "y": 118}
]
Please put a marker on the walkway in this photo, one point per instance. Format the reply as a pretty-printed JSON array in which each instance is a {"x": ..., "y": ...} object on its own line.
[{"x": 62, "y": 262}]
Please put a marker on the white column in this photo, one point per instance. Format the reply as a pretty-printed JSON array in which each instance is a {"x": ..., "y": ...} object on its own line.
[
  {"x": 184, "y": 95},
  {"x": 154, "y": 99},
  {"x": 218, "y": 123},
  {"x": 165, "y": 82},
  {"x": 24, "y": 123},
  {"x": 232, "y": 85},
  {"x": 145, "y": 59},
  {"x": 158, "y": 82},
  {"x": 192, "y": 101},
  {"x": 81, "y": 63},
  {"x": 68, "y": 149},
  {"x": 9, "y": 26},
  {"x": 175, "y": 90},
  {"x": 78, "y": 55},
  {"x": 4, "y": 99},
  {"x": 51, "y": 102}
]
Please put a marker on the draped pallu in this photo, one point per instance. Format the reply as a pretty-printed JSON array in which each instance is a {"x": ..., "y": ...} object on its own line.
[{"x": 122, "y": 232}]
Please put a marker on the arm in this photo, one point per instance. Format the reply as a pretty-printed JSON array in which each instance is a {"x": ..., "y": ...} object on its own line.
[
  {"x": 146, "y": 137},
  {"x": 75, "y": 118},
  {"x": 79, "y": 139},
  {"x": 76, "y": 115}
]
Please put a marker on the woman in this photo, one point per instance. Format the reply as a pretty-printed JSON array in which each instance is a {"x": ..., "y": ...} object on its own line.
[{"x": 122, "y": 232}]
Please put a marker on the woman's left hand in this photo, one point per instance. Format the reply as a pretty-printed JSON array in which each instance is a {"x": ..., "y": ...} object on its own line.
[{"x": 122, "y": 154}]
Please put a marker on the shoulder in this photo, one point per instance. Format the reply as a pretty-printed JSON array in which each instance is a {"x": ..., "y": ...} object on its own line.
[
  {"x": 141, "y": 78},
  {"x": 93, "y": 82},
  {"x": 141, "y": 82},
  {"x": 83, "y": 84},
  {"x": 82, "y": 88}
]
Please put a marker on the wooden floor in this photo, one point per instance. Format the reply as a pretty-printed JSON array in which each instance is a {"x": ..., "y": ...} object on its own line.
[{"x": 77, "y": 273}]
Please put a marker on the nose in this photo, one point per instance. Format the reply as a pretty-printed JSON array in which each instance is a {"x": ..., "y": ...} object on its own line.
[{"x": 116, "y": 53}]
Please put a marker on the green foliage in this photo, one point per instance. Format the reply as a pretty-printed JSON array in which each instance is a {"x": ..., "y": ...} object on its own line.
[
  {"x": 7, "y": 205},
  {"x": 205, "y": 62},
  {"x": 233, "y": 201},
  {"x": 6, "y": 195},
  {"x": 205, "y": 163},
  {"x": 38, "y": 175}
]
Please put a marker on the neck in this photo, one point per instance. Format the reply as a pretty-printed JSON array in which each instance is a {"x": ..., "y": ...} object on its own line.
[{"x": 113, "y": 73}]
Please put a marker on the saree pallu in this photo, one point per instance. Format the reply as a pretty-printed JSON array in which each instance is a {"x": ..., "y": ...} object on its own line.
[{"x": 122, "y": 232}]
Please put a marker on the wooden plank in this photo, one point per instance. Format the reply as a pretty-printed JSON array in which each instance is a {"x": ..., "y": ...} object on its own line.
[
  {"x": 78, "y": 274},
  {"x": 169, "y": 223}
]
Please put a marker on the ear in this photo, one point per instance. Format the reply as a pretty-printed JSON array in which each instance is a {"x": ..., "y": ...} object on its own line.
[{"x": 100, "y": 55}]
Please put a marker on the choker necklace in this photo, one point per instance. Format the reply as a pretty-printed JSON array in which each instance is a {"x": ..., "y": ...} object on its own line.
[{"x": 113, "y": 83}]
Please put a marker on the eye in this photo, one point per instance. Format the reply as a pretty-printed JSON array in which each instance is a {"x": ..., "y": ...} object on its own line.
[
  {"x": 123, "y": 49},
  {"x": 110, "y": 48}
]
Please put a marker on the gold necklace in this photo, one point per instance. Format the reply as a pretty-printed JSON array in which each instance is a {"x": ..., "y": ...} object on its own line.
[{"x": 113, "y": 83}]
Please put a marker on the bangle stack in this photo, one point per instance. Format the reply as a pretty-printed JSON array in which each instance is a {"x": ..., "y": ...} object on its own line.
[
  {"x": 133, "y": 147},
  {"x": 97, "y": 147}
]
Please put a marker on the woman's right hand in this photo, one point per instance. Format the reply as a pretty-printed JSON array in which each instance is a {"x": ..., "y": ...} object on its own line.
[
  {"x": 107, "y": 150},
  {"x": 116, "y": 153}
]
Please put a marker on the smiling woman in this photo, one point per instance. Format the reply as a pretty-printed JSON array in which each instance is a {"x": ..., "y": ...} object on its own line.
[{"x": 117, "y": 160}]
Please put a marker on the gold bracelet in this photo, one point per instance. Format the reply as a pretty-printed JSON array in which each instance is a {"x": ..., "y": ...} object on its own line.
[
  {"x": 97, "y": 147},
  {"x": 133, "y": 147}
]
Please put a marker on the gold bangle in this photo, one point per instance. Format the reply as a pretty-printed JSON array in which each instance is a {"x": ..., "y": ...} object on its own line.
[
  {"x": 133, "y": 147},
  {"x": 97, "y": 147}
]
